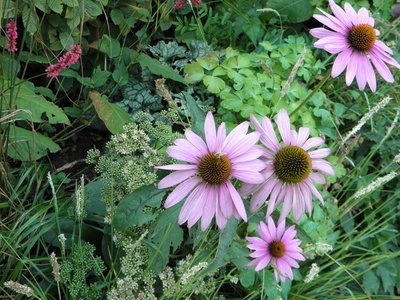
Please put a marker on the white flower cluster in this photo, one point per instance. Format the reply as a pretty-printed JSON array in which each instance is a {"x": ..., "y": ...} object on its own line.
[{"x": 312, "y": 274}]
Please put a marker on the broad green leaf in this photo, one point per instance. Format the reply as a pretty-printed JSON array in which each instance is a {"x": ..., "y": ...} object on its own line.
[
  {"x": 120, "y": 75},
  {"x": 35, "y": 106},
  {"x": 254, "y": 30},
  {"x": 214, "y": 84},
  {"x": 207, "y": 62},
  {"x": 231, "y": 101},
  {"x": 8, "y": 66},
  {"x": 130, "y": 209},
  {"x": 109, "y": 46},
  {"x": 230, "y": 52},
  {"x": 198, "y": 116},
  {"x": 195, "y": 72},
  {"x": 113, "y": 116},
  {"x": 159, "y": 69},
  {"x": 100, "y": 77},
  {"x": 93, "y": 193},
  {"x": 297, "y": 11},
  {"x": 29, "y": 145},
  {"x": 66, "y": 40},
  {"x": 93, "y": 9}
]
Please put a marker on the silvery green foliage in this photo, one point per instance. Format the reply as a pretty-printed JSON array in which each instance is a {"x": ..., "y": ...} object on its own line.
[{"x": 140, "y": 93}]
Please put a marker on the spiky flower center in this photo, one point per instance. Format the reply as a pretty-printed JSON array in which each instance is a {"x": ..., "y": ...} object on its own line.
[
  {"x": 362, "y": 37},
  {"x": 276, "y": 249},
  {"x": 292, "y": 164},
  {"x": 215, "y": 168}
]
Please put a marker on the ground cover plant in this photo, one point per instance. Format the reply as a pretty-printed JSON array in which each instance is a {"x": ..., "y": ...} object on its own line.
[{"x": 249, "y": 149}]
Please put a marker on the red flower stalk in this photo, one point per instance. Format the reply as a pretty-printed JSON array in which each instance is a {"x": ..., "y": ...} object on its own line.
[
  {"x": 12, "y": 36},
  {"x": 70, "y": 58},
  {"x": 181, "y": 3}
]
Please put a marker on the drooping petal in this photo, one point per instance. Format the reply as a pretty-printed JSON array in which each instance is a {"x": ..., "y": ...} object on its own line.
[
  {"x": 176, "y": 177},
  {"x": 181, "y": 191}
]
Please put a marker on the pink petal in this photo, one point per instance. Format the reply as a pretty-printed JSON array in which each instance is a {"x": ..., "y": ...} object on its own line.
[
  {"x": 340, "y": 62},
  {"x": 237, "y": 200},
  {"x": 175, "y": 178},
  {"x": 210, "y": 132},
  {"x": 283, "y": 123},
  {"x": 320, "y": 153},
  {"x": 183, "y": 154},
  {"x": 312, "y": 142},
  {"x": 351, "y": 70},
  {"x": 197, "y": 142},
  {"x": 181, "y": 191},
  {"x": 323, "y": 166}
]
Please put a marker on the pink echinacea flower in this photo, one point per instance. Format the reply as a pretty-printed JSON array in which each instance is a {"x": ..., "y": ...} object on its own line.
[
  {"x": 276, "y": 246},
  {"x": 206, "y": 177},
  {"x": 70, "y": 58},
  {"x": 12, "y": 36},
  {"x": 353, "y": 36},
  {"x": 288, "y": 174}
]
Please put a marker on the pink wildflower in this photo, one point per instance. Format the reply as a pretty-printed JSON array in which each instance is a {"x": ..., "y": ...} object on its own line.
[
  {"x": 353, "y": 36},
  {"x": 206, "y": 177},
  {"x": 70, "y": 58},
  {"x": 288, "y": 174},
  {"x": 181, "y": 3},
  {"x": 276, "y": 246},
  {"x": 12, "y": 36}
]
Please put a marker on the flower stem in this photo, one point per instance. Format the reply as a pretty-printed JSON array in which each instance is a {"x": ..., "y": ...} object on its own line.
[{"x": 317, "y": 88}]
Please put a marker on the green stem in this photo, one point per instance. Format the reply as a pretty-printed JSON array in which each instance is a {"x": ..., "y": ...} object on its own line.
[{"x": 317, "y": 88}]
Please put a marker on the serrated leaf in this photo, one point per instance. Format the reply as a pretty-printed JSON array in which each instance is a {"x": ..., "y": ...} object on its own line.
[
  {"x": 55, "y": 6},
  {"x": 370, "y": 282},
  {"x": 113, "y": 116},
  {"x": 159, "y": 69},
  {"x": 28, "y": 18},
  {"x": 26, "y": 145},
  {"x": 36, "y": 106},
  {"x": 117, "y": 16},
  {"x": 130, "y": 209}
]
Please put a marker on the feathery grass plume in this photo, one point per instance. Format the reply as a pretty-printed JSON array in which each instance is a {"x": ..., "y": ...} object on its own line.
[
  {"x": 367, "y": 116},
  {"x": 62, "y": 239},
  {"x": 19, "y": 288},
  {"x": 375, "y": 184},
  {"x": 167, "y": 96},
  {"x": 396, "y": 159},
  {"x": 12, "y": 36},
  {"x": 293, "y": 73},
  {"x": 312, "y": 273},
  {"x": 353, "y": 143},
  {"x": 55, "y": 266}
]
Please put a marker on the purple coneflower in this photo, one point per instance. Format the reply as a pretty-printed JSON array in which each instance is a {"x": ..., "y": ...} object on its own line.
[
  {"x": 207, "y": 176},
  {"x": 70, "y": 58},
  {"x": 289, "y": 176},
  {"x": 277, "y": 247},
  {"x": 12, "y": 36},
  {"x": 354, "y": 38}
]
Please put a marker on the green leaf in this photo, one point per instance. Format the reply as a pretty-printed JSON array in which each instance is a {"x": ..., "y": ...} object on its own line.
[
  {"x": 66, "y": 40},
  {"x": 100, "y": 77},
  {"x": 28, "y": 18},
  {"x": 120, "y": 75},
  {"x": 195, "y": 72},
  {"x": 214, "y": 84},
  {"x": 26, "y": 145},
  {"x": 254, "y": 30},
  {"x": 113, "y": 116},
  {"x": 117, "y": 16},
  {"x": 231, "y": 101},
  {"x": 130, "y": 209},
  {"x": 157, "y": 68},
  {"x": 370, "y": 282},
  {"x": 297, "y": 11},
  {"x": 35, "y": 106},
  {"x": 198, "y": 116},
  {"x": 55, "y": 6},
  {"x": 388, "y": 275},
  {"x": 207, "y": 62}
]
